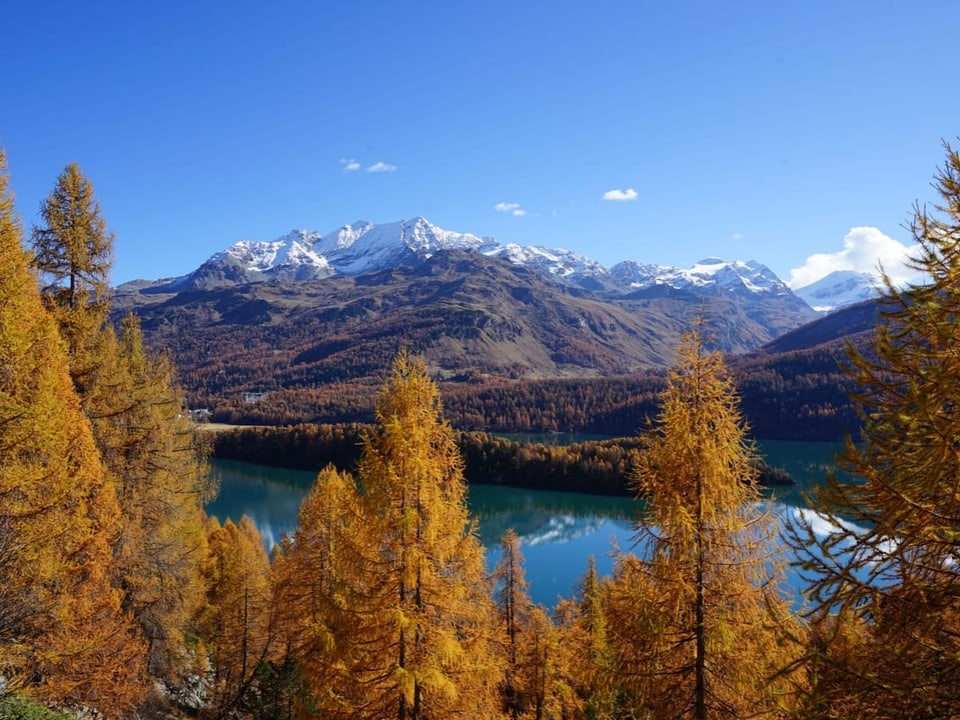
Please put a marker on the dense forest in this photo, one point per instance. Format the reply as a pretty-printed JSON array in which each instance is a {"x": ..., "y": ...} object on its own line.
[
  {"x": 597, "y": 467},
  {"x": 120, "y": 598},
  {"x": 796, "y": 395}
]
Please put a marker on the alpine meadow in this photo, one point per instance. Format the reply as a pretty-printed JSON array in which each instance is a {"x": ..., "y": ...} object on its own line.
[{"x": 121, "y": 598}]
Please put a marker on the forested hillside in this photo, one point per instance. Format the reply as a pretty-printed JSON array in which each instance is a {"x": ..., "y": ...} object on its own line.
[{"x": 798, "y": 395}]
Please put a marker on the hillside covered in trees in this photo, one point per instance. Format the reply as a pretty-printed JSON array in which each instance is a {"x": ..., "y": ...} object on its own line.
[
  {"x": 800, "y": 394},
  {"x": 120, "y": 598}
]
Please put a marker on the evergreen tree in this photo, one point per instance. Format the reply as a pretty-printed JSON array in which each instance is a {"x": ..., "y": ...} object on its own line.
[
  {"x": 64, "y": 634},
  {"x": 888, "y": 573},
  {"x": 702, "y": 593}
]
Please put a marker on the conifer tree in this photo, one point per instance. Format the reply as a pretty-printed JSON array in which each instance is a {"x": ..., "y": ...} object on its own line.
[
  {"x": 514, "y": 607},
  {"x": 131, "y": 398},
  {"x": 66, "y": 637},
  {"x": 434, "y": 592},
  {"x": 73, "y": 253},
  {"x": 702, "y": 592},
  {"x": 600, "y": 666},
  {"x": 320, "y": 587},
  {"x": 888, "y": 573},
  {"x": 237, "y": 623},
  {"x": 395, "y": 614},
  {"x": 530, "y": 683},
  {"x": 156, "y": 458}
]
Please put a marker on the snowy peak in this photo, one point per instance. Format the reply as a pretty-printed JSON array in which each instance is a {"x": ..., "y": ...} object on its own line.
[
  {"x": 552, "y": 262},
  {"x": 838, "y": 290},
  {"x": 710, "y": 273},
  {"x": 363, "y": 247}
]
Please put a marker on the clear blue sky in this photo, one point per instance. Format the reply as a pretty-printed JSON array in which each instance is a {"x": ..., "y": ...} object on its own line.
[{"x": 745, "y": 129}]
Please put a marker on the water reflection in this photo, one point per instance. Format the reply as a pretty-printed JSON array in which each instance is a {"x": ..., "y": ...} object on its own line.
[
  {"x": 269, "y": 496},
  {"x": 558, "y": 531}
]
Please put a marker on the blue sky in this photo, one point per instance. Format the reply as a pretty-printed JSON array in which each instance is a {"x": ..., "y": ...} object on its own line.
[{"x": 750, "y": 129}]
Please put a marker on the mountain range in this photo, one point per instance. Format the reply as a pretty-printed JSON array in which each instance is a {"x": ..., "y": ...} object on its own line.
[
  {"x": 309, "y": 319},
  {"x": 363, "y": 247}
]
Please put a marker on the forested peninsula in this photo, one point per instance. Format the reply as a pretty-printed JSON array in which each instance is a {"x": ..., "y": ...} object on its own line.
[{"x": 597, "y": 467}]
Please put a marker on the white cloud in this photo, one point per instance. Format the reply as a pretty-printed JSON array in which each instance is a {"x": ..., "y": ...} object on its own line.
[
  {"x": 620, "y": 195},
  {"x": 511, "y": 207},
  {"x": 349, "y": 164},
  {"x": 865, "y": 249},
  {"x": 379, "y": 167}
]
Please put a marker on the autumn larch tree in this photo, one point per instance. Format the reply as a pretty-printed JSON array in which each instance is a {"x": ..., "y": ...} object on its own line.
[
  {"x": 65, "y": 637},
  {"x": 396, "y": 610},
  {"x": 157, "y": 459},
  {"x": 695, "y": 621},
  {"x": 237, "y": 622},
  {"x": 136, "y": 409},
  {"x": 73, "y": 252},
  {"x": 434, "y": 588},
  {"x": 321, "y": 576},
  {"x": 533, "y": 662},
  {"x": 888, "y": 573}
]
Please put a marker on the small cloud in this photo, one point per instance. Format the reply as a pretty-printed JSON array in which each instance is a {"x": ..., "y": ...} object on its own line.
[
  {"x": 512, "y": 208},
  {"x": 349, "y": 164},
  {"x": 736, "y": 236},
  {"x": 865, "y": 249},
  {"x": 620, "y": 195},
  {"x": 381, "y": 167}
]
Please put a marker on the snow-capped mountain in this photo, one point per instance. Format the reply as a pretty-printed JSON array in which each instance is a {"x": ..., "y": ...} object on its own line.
[
  {"x": 365, "y": 247},
  {"x": 839, "y": 289},
  {"x": 290, "y": 257},
  {"x": 555, "y": 263},
  {"x": 350, "y": 250},
  {"x": 713, "y": 273}
]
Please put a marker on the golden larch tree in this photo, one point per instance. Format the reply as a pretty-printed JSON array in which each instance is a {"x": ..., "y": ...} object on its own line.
[
  {"x": 321, "y": 578},
  {"x": 156, "y": 457},
  {"x": 73, "y": 253},
  {"x": 705, "y": 591},
  {"x": 237, "y": 622},
  {"x": 131, "y": 397},
  {"x": 533, "y": 684},
  {"x": 886, "y": 579},
  {"x": 438, "y": 658},
  {"x": 395, "y": 616},
  {"x": 66, "y": 637}
]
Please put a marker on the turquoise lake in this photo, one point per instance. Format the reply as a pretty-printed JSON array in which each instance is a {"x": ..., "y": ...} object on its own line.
[{"x": 558, "y": 531}]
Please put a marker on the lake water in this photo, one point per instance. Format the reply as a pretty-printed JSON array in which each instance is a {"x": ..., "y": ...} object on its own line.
[{"x": 558, "y": 531}]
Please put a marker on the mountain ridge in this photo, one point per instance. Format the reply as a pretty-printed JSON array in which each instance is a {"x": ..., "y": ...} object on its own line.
[{"x": 363, "y": 247}]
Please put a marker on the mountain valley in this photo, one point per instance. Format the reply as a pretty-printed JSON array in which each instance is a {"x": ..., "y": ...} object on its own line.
[{"x": 302, "y": 329}]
